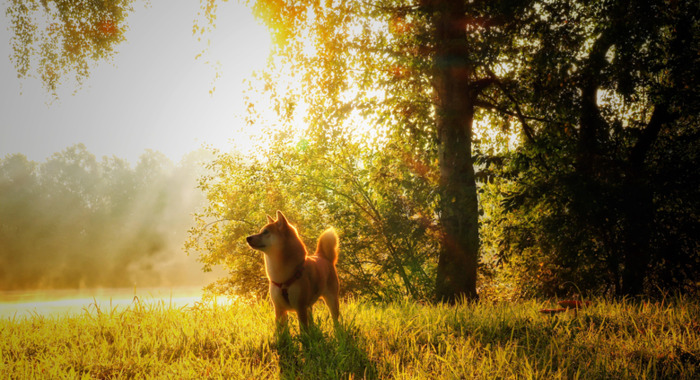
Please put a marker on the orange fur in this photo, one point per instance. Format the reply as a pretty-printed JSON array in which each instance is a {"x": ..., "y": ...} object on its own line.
[{"x": 285, "y": 253}]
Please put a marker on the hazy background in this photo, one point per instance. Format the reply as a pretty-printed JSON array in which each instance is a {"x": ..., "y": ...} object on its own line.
[
  {"x": 98, "y": 187},
  {"x": 155, "y": 95}
]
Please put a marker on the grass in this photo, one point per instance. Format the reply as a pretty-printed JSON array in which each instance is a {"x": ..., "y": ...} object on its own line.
[{"x": 400, "y": 341}]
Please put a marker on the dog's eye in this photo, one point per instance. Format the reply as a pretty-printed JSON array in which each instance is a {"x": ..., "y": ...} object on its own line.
[{"x": 265, "y": 232}]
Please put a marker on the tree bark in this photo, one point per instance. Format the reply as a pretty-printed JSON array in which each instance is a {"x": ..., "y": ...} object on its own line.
[{"x": 458, "y": 208}]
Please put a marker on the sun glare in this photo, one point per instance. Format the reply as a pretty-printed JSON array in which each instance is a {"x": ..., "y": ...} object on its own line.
[{"x": 235, "y": 48}]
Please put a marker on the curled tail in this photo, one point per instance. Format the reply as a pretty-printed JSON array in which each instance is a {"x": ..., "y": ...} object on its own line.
[{"x": 328, "y": 245}]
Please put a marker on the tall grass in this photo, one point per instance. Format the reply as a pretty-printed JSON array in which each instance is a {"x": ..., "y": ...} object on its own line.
[{"x": 401, "y": 340}]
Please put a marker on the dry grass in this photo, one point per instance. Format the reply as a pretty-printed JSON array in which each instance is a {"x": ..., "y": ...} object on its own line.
[{"x": 402, "y": 340}]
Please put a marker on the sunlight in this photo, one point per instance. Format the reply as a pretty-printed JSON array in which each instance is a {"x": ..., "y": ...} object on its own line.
[
  {"x": 234, "y": 55},
  {"x": 496, "y": 137}
]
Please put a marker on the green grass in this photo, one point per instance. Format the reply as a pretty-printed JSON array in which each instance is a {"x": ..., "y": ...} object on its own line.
[{"x": 608, "y": 340}]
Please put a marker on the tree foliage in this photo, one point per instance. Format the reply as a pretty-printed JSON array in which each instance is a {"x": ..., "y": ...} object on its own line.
[
  {"x": 74, "y": 222},
  {"x": 56, "y": 38},
  {"x": 605, "y": 197},
  {"x": 377, "y": 206},
  {"x": 593, "y": 89}
]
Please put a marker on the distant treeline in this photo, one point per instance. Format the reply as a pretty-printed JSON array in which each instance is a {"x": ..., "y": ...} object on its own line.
[{"x": 76, "y": 221}]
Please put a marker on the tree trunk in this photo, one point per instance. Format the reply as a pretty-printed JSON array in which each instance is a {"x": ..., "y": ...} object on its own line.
[
  {"x": 638, "y": 213},
  {"x": 639, "y": 205},
  {"x": 459, "y": 218}
]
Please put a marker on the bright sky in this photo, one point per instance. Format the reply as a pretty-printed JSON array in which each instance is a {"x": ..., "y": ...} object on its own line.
[{"x": 154, "y": 95}]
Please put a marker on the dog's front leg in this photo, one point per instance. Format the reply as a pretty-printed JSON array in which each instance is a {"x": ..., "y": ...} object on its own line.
[
  {"x": 280, "y": 316},
  {"x": 304, "y": 314}
]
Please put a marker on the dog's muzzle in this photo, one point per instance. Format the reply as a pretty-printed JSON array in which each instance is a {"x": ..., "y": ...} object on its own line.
[{"x": 252, "y": 243}]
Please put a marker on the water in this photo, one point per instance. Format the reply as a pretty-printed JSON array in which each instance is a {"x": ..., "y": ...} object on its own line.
[{"x": 21, "y": 304}]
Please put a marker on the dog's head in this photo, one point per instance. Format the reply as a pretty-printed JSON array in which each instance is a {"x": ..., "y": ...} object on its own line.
[{"x": 271, "y": 237}]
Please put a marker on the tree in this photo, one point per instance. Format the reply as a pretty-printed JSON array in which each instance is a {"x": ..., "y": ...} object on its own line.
[
  {"x": 602, "y": 90},
  {"x": 417, "y": 70}
]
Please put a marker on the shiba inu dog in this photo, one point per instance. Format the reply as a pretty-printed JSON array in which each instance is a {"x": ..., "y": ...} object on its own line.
[{"x": 298, "y": 280}]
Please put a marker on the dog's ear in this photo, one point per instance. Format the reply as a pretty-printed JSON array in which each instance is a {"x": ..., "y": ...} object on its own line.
[
  {"x": 269, "y": 219},
  {"x": 281, "y": 219}
]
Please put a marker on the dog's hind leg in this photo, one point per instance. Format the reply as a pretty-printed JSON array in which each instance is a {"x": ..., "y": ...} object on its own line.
[
  {"x": 333, "y": 304},
  {"x": 331, "y": 297}
]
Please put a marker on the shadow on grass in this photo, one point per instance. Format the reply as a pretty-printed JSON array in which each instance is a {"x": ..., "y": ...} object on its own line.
[
  {"x": 598, "y": 346},
  {"x": 316, "y": 354}
]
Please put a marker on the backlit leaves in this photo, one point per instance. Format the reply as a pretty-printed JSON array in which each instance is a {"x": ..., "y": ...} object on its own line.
[{"x": 55, "y": 39}]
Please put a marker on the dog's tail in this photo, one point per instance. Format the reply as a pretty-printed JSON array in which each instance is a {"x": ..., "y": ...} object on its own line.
[{"x": 328, "y": 245}]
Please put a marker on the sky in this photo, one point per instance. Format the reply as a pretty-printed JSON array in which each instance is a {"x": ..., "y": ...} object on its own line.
[{"x": 153, "y": 95}]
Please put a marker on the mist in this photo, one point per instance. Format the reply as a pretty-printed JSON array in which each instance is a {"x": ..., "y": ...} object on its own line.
[{"x": 76, "y": 222}]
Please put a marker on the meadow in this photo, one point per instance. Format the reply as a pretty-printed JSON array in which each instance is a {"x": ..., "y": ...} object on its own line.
[{"x": 403, "y": 340}]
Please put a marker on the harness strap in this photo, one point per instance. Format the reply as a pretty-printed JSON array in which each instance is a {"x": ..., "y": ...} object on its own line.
[{"x": 285, "y": 285}]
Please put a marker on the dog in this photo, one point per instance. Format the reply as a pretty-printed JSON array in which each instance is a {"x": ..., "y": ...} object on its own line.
[{"x": 298, "y": 280}]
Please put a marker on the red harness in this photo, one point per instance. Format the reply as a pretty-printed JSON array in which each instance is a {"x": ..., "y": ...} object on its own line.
[{"x": 285, "y": 285}]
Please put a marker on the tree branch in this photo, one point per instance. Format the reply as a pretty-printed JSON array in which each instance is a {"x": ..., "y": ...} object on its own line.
[
  {"x": 591, "y": 121},
  {"x": 660, "y": 117},
  {"x": 518, "y": 111},
  {"x": 481, "y": 84},
  {"x": 490, "y": 105}
]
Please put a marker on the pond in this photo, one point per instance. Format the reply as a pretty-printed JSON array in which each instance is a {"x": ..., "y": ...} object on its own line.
[{"x": 19, "y": 304}]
